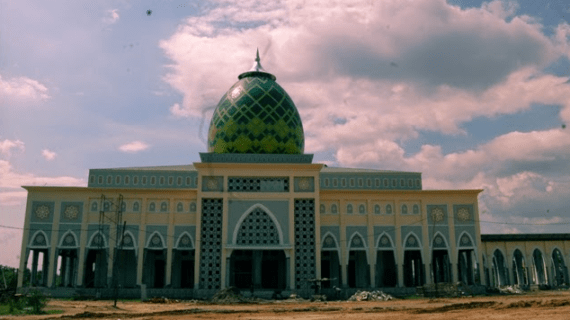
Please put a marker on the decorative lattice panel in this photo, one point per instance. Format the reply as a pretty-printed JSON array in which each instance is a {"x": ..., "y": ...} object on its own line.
[
  {"x": 384, "y": 242},
  {"x": 305, "y": 267},
  {"x": 438, "y": 242},
  {"x": 211, "y": 244},
  {"x": 39, "y": 240},
  {"x": 465, "y": 241},
  {"x": 254, "y": 184},
  {"x": 257, "y": 230},
  {"x": 155, "y": 242}
]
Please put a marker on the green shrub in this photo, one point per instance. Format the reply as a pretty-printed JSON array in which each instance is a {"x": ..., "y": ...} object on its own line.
[
  {"x": 15, "y": 305},
  {"x": 37, "y": 300}
]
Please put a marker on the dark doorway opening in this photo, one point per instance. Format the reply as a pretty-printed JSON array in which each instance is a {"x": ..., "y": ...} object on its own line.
[
  {"x": 358, "y": 270},
  {"x": 413, "y": 269},
  {"x": 262, "y": 269},
  {"x": 386, "y": 275},
  {"x": 441, "y": 266}
]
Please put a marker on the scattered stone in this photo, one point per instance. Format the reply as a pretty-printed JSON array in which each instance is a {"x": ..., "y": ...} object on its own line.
[
  {"x": 514, "y": 289},
  {"x": 161, "y": 300},
  {"x": 318, "y": 298},
  {"x": 370, "y": 296}
]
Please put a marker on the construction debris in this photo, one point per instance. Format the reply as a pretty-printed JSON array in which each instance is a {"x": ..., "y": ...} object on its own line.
[
  {"x": 161, "y": 300},
  {"x": 232, "y": 295},
  {"x": 370, "y": 296},
  {"x": 514, "y": 289}
]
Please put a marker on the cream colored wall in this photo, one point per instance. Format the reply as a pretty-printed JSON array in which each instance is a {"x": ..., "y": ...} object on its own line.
[
  {"x": 396, "y": 219},
  {"x": 85, "y": 195},
  {"x": 527, "y": 248}
]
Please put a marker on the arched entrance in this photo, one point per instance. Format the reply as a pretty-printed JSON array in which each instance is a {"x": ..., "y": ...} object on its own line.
[
  {"x": 519, "y": 269},
  {"x": 330, "y": 262},
  {"x": 385, "y": 263},
  {"x": 67, "y": 260},
  {"x": 260, "y": 269},
  {"x": 560, "y": 271},
  {"x": 440, "y": 263},
  {"x": 539, "y": 274},
  {"x": 500, "y": 276},
  {"x": 466, "y": 260},
  {"x": 96, "y": 262},
  {"x": 258, "y": 262},
  {"x": 358, "y": 268},
  {"x": 154, "y": 272},
  {"x": 413, "y": 265},
  {"x": 39, "y": 250},
  {"x": 183, "y": 262},
  {"x": 126, "y": 262}
]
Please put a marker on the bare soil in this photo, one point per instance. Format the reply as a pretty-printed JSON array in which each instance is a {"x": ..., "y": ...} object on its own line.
[{"x": 549, "y": 305}]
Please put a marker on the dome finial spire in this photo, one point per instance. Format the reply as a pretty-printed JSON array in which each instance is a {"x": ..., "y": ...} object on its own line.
[{"x": 257, "y": 65}]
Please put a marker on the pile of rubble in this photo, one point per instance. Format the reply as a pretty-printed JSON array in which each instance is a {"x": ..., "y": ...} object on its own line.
[
  {"x": 370, "y": 296},
  {"x": 514, "y": 289},
  {"x": 231, "y": 295},
  {"x": 161, "y": 300}
]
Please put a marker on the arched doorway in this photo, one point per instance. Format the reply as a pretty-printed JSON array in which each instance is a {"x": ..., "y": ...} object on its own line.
[
  {"x": 500, "y": 276},
  {"x": 126, "y": 261},
  {"x": 440, "y": 263},
  {"x": 330, "y": 262},
  {"x": 154, "y": 271},
  {"x": 386, "y": 275},
  {"x": 258, "y": 262},
  {"x": 39, "y": 252},
  {"x": 466, "y": 260},
  {"x": 66, "y": 273},
  {"x": 96, "y": 262},
  {"x": 413, "y": 265},
  {"x": 539, "y": 274},
  {"x": 519, "y": 269},
  {"x": 260, "y": 269},
  {"x": 560, "y": 271},
  {"x": 183, "y": 260},
  {"x": 358, "y": 267}
]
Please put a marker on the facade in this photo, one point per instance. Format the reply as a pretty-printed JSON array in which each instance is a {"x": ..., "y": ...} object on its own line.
[
  {"x": 526, "y": 259},
  {"x": 256, "y": 213}
]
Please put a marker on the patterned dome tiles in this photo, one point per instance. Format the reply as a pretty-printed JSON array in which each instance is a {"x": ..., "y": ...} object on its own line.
[{"x": 256, "y": 116}]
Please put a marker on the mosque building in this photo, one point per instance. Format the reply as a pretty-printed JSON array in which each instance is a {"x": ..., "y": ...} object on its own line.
[{"x": 256, "y": 213}]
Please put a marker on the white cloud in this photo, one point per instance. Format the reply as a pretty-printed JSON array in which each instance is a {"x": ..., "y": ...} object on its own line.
[
  {"x": 133, "y": 147},
  {"x": 48, "y": 155},
  {"x": 6, "y": 146},
  {"x": 22, "y": 88},
  {"x": 10, "y": 179},
  {"x": 178, "y": 112},
  {"x": 111, "y": 17},
  {"x": 367, "y": 76}
]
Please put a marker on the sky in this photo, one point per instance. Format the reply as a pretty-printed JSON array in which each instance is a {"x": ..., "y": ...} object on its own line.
[{"x": 475, "y": 95}]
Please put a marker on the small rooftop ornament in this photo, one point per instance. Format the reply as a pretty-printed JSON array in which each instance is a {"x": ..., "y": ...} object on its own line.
[{"x": 257, "y": 64}]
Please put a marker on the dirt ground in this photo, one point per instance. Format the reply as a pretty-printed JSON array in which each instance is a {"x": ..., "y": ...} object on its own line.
[{"x": 540, "y": 305}]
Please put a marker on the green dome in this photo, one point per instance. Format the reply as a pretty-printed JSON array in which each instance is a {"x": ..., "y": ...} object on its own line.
[{"x": 256, "y": 116}]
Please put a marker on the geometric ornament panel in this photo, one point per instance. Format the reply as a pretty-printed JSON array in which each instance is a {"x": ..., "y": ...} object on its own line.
[
  {"x": 211, "y": 243},
  {"x": 305, "y": 266}
]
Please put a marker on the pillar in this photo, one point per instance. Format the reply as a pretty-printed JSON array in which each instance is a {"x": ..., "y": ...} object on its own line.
[
  {"x": 63, "y": 268},
  {"x": 428, "y": 273},
  {"x": 344, "y": 269},
  {"x": 256, "y": 263},
  {"x": 67, "y": 274},
  {"x": 227, "y": 283},
  {"x": 45, "y": 267},
  {"x": 372, "y": 274},
  {"x": 400, "y": 268},
  {"x": 288, "y": 274},
  {"x": 33, "y": 279}
]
